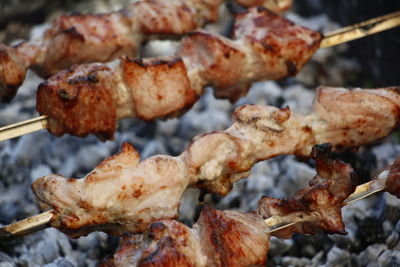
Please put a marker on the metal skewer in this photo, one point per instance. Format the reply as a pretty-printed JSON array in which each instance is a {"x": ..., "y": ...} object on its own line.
[
  {"x": 275, "y": 223},
  {"x": 333, "y": 38}
]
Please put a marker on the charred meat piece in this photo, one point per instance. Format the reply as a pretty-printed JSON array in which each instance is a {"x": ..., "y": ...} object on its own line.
[
  {"x": 320, "y": 203},
  {"x": 265, "y": 46},
  {"x": 233, "y": 238},
  {"x": 134, "y": 194}
]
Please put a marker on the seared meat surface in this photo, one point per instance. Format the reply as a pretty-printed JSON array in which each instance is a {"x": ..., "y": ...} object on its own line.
[{"x": 92, "y": 98}]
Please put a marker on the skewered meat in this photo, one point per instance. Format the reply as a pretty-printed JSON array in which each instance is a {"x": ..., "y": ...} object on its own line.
[
  {"x": 233, "y": 238},
  {"x": 134, "y": 194},
  {"x": 92, "y": 98},
  {"x": 89, "y": 38}
]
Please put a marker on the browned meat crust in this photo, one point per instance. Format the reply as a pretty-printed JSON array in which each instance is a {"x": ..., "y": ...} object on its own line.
[
  {"x": 170, "y": 90},
  {"x": 131, "y": 191},
  {"x": 97, "y": 112},
  {"x": 233, "y": 238},
  {"x": 265, "y": 46},
  {"x": 99, "y": 38}
]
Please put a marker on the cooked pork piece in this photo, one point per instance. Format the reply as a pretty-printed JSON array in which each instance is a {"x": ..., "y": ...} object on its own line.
[
  {"x": 92, "y": 98},
  {"x": 233, "y": 238},
  {"x": 122, "y": 194},
  {"x": 119, "y": 195},
  {"x": 99, "y": 38}
]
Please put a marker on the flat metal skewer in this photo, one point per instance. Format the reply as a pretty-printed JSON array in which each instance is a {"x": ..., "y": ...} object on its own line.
[
  {"x": 333, "y": 38},
  {"x": 275, "y": 223}
]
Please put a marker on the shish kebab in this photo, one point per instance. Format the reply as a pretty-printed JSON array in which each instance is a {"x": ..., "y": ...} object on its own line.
[
  {"x": 135, "y": 194},
  {"x": 234, "y": 238},
  {"x": 91, "y": 98},
  {"x": 218, "y": 234},
  {"x": 89, "y": 38}
]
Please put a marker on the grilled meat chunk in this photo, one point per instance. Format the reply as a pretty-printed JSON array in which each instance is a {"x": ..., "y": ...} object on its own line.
[{"x": 320, "y": 203}]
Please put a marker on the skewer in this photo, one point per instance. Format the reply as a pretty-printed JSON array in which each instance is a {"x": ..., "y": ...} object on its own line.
[
  {"x": 333, "y": 38},
  {"x": 274, "y": 223},
  {"x": 26, "y": 226},
  {"x": 365, "y": 24},
  {"x": 361, "y": 30},
  {"x": 24, "y": 127}
]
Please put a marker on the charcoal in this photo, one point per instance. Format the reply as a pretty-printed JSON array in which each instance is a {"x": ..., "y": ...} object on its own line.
[
  {"x": 371, "y": 253},
  {"x": 338, "y": 257},
  {"x": 60, "y": 262}
]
